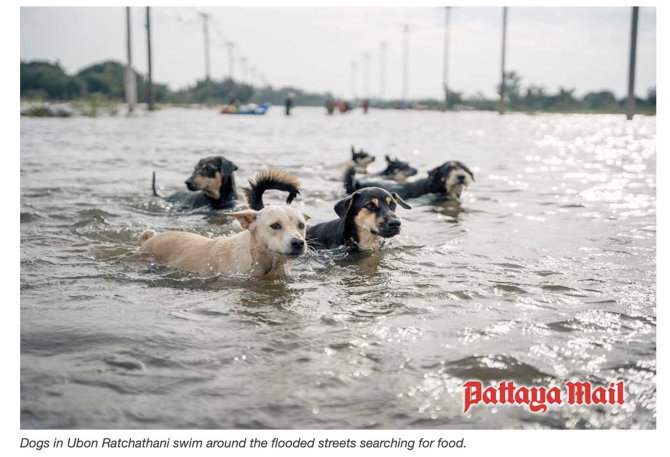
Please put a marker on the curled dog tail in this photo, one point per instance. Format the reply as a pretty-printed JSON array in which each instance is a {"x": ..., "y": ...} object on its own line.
[
  {"x": 146, "y": 235},
  {"x": 270, "y": 179},
  {"x": 153, "y": 184},
  {"x": 350, "y": 183}
]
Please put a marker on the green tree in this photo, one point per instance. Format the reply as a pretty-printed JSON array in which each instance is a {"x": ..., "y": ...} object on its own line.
[{"x": 47, "y": 79}]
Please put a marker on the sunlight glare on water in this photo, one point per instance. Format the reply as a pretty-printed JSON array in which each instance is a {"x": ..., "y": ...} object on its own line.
[{"x": 544, "y": 274}]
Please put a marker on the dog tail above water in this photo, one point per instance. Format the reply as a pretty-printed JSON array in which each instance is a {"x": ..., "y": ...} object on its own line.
[
  {"x": 153, "y": 184},
  {"x": 270, "y": 179},
  {"x": 350, "y": 183}
]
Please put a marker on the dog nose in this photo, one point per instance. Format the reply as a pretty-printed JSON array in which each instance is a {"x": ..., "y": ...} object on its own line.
[
  {"x": 297, "y": 243},
  {"x": 190, "y": 185},
  {"x": 394, "y": 223},
  {"x": 461, "y": 178}
]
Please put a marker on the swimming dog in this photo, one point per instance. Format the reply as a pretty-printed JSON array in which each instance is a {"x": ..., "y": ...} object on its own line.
[
  {"x": 211, "y": 185},
  {"x": 397, "y": 169},
  {"x": 272, "y": 235},
  {"x": 449, "y": 179},
  {"x": 361, "y": 160},
  {"x": 365, "y": 218}
]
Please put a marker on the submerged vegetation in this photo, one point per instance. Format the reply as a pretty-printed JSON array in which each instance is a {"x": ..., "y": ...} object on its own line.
[{"x": 98, "y": 89}]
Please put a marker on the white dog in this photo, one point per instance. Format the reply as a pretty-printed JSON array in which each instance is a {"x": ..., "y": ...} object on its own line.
[{"x": 272, "y": 235}]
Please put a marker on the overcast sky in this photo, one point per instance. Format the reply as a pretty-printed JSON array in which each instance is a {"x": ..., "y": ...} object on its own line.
[{"x": 313, "y": 48}]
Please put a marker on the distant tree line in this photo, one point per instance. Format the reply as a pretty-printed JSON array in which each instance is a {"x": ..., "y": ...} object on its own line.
[{"x": 48, "y": 81}]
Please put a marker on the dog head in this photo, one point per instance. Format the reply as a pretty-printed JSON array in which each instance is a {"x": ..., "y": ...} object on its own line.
[
  {"x": 399, "y": 169},
  {"x": 209, "y": 175},
  {"x": 279, "y": 229},
  {"x": 372, "y": 212},
  {"x": 451, "y": 178},
  {"x": 361, "y": 158}
]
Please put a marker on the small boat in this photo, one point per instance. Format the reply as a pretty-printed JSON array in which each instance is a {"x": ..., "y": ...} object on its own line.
[{"x": 251, "y": 108}]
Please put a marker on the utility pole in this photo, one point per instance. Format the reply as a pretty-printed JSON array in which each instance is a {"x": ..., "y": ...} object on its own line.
[
  {"x": 630, "y": 101},
  {"x": 366, "y": 75},
  {"x": 243, "y": 63},
  {"x": 382, "y": 69},
  {"x": 353, "y": 80},
  {"x": 405, "y": 70},
  {"x": 150, "y": 86},
  {"x": 131, "y": 84},
  {"x": 445, "y": 79},
  {"x": 252, "y": 75},
  {"x": 205, "y": 30},
  {"x": 231, "y": 59},
  {"x": 501, "y": 109}
]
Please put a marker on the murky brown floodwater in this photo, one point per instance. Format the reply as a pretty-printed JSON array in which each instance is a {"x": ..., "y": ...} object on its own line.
[{"x": 546, "y": 273}]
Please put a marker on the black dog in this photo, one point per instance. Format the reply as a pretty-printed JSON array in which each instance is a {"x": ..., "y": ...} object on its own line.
[
  {"x": 361, "y": 160},
  {"x": 212, "y": 185},
  {"x": 448, "y": 179},
  {"x": 397, "y": 169},
  {"x": 365, "y": 218}
]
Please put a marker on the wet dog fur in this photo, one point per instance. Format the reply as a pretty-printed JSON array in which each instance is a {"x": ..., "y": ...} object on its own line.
[
  {"x": 365, "y": 218},
  {"x": 361, "y": 160},
  {"x": 211, "y": 185},
  {"x": 449, "y": 179},
  {"x": 272, "y": 235},
  {"x": 397, "y": 170}
]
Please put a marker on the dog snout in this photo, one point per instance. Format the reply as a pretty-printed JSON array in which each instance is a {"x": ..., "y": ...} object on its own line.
[
  {"x": 297, "y": 246},
  {"x": 297, "y": 243},
  {"x": 461, "y": 179},
  {"x": 190, "y": 185},
  {"x": 394, "y": 223}
]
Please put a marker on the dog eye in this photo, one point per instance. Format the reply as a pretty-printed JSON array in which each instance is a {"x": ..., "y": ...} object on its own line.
[
  {"x": 301, "y": 226},
  {"x": 370, "y": 207},
  {"x": 275, "y": 226}
]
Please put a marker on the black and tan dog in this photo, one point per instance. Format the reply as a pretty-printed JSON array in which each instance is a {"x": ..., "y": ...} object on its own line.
[
  {"x": 211, "y": 185},
  {"x": 365, "y": 218},
  {"x": 397, "y": 170},
  {"x": 361, "y": 160},
  {"x": 449, "y": 179}
]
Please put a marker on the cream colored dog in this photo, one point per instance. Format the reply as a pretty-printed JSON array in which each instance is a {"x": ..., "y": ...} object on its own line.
[{"x": 271, "y": 236}]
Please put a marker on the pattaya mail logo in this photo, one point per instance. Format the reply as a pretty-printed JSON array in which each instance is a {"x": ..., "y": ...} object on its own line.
[{"x": 537, "y": 398}]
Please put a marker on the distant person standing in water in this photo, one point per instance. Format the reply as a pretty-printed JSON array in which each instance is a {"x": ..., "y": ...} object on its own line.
[
  {"x": 289, "y": 102},
  {"x": 366, "y": 106},
  {"x": 330, "y": 105}
]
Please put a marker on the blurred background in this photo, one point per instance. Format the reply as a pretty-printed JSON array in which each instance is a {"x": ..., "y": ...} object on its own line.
[{"x": 554, "y": 59}]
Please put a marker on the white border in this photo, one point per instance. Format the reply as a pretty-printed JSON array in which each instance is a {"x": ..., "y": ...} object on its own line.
[{"x": 480, "y": 442}]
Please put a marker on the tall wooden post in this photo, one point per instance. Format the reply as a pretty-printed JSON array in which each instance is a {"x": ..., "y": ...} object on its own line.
[
  {"x": 405, "y": 68},
  {"x": 231, "y": 59},
  {"x": 501, "y": 109},
  {"x": 150, "y": 85},
  {"x": 382, "y": 69},
  {"x": 630, "y": 101},
  {"x": 205, "y": 30},
  {"x": 131, "y": 87},
  {"x": 445, "y": 73}
]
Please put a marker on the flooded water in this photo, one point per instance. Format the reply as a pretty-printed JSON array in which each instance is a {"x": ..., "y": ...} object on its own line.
[{"x": 544, "y": 274}]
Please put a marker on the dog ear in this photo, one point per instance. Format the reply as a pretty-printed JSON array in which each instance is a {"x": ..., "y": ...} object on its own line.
[
  {"x": 467, "y": 170},
  {"x": 353, "y": 151},
  {"x": 388, "y": 159},
  {"x": 400, "y": 201},
  {"x": 306, "y": 217},
  {"x": 245, "y": 218},
  {"x": 343, "y": 206}
]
